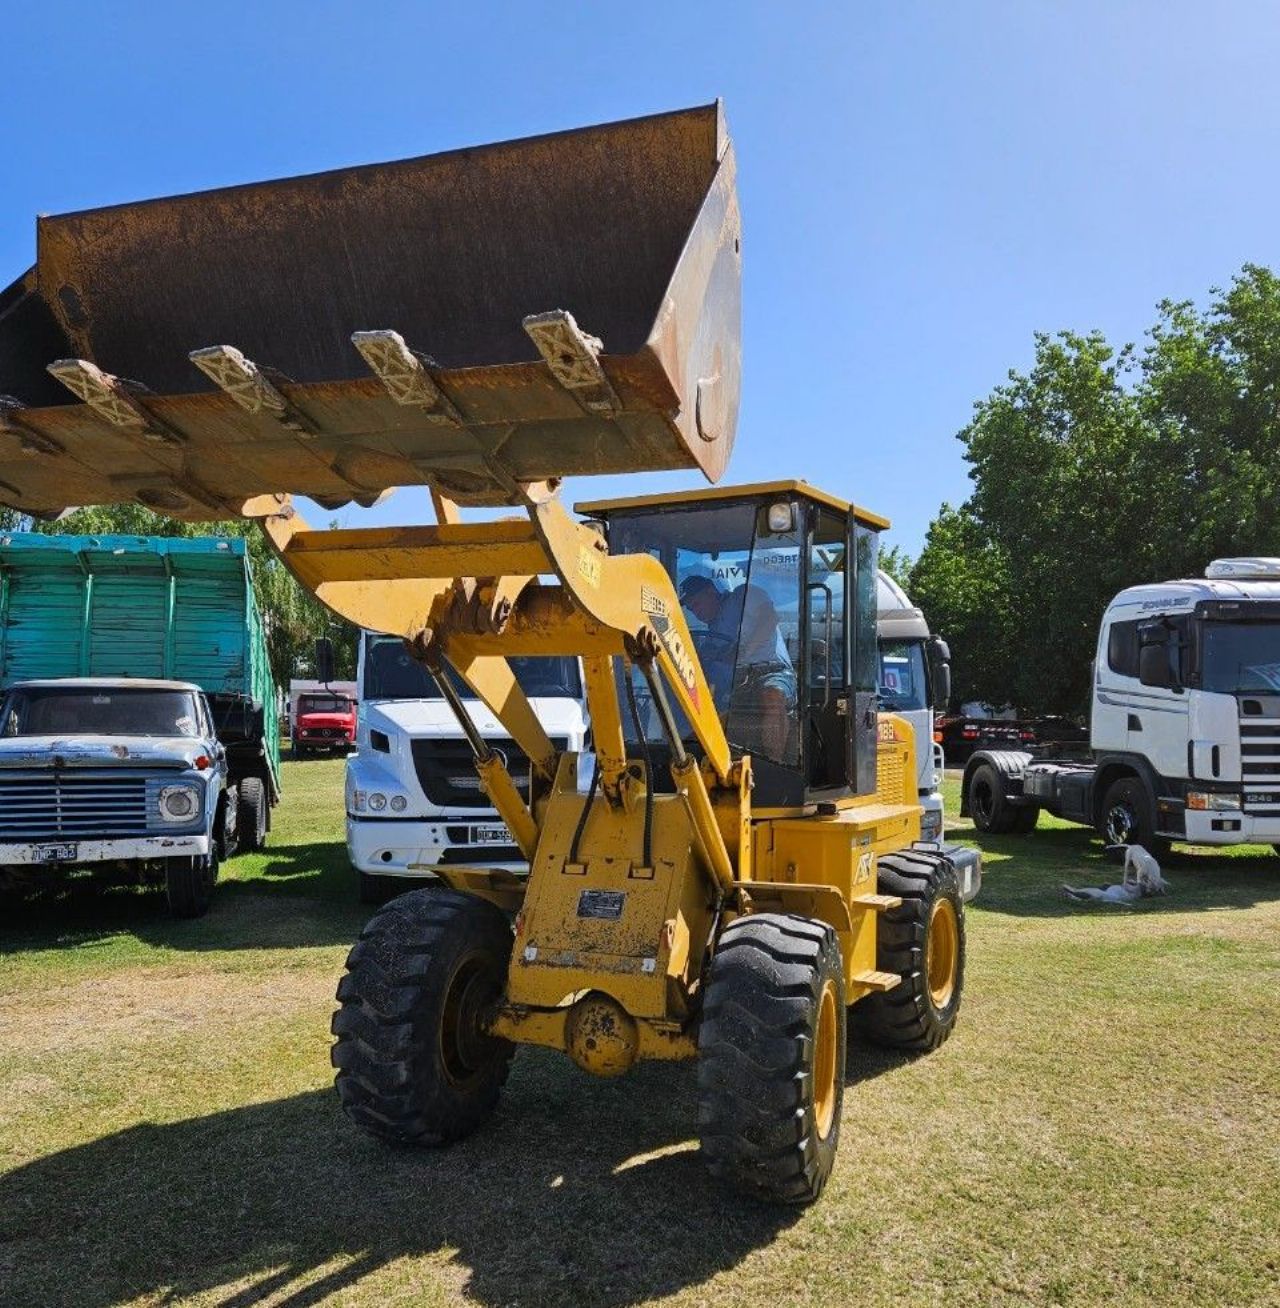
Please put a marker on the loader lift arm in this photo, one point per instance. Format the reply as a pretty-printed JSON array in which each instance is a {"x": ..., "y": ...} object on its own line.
[{"x": 469, "y": 593}]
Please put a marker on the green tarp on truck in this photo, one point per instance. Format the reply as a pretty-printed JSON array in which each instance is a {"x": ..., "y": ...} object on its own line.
[{"x": 144, "y": 606}]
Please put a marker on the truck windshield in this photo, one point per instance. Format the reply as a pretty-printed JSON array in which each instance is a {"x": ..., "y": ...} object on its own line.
[
  {"x": 390, "y": 673},
  {"x": 324, "y": 704},
  {"x": 1241, "y": 657},
  {"x": 108, "y": 711},
  {"x": 902, "y": 683}
]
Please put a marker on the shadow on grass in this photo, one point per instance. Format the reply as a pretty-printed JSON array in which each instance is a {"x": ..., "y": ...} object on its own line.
[
  {"x": 287, "y": 897},
  {"x": 564, "y": 1198},
  {"x": 1023, "y": 876}
]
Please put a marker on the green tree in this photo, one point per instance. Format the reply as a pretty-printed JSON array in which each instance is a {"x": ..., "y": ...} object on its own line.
[
  {"x": 1098, "y": 469},
  {"x": 897, "y": 563}
]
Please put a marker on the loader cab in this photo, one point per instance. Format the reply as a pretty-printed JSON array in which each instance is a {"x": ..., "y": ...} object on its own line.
[{"x": 778, "y": 585}]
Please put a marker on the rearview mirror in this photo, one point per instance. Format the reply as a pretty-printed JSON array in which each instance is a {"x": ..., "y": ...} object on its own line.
[
  {"x": 938, "y": 654},
  {"x": 324, "y": 659}
]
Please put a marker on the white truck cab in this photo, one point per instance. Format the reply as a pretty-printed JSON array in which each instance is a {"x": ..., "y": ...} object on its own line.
[
  {"x": 1185, "y": 721},
  {"x": 413, "y": 796},
  {"x": 914, "y": 665}
]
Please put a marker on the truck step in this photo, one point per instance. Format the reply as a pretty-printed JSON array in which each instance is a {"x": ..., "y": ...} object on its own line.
[
  {"x": 877, "y": 903},
  {"x": 877, "y": 980}
]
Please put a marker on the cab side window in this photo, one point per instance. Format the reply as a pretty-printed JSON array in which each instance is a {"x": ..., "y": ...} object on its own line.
[{"x": 1122, "y": 649}]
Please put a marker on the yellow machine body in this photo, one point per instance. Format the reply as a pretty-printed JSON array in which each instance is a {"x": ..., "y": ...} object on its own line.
[{"x": 613, "y": 927}]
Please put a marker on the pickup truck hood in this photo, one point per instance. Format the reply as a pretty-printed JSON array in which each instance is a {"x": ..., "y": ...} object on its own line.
[{"x": 100, "y": 751}]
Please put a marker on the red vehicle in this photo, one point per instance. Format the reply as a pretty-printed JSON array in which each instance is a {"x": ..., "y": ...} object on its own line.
[{"x": 324, "y": 720}]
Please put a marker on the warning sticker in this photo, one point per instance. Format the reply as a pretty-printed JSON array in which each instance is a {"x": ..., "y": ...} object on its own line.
[{"x": 601, "y": 903}]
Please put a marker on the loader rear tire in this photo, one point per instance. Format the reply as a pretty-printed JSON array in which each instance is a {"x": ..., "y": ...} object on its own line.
[
  {"x": 414, "y": 1063},
  {"x": 771, "y": 1052},
  {"x": 922, "y": 941}
]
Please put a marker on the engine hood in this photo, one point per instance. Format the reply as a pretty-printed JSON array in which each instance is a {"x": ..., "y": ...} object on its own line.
[
  {"x": 432, "y": 717},
  {"x": 325, "y": 719},
  {"x": 100, "y": 751}
]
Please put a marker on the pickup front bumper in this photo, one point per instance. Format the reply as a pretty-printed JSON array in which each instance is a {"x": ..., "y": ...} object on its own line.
[{"x": 131, "y": 849}]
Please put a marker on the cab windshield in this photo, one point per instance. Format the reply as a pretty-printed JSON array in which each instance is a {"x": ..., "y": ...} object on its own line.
[
  {"x": 390, "y": 672},
  {"x": 57, "y": 711},
  {"x": 324, "y": 704},
  {"x": 739, "y": 586},
  {"x": 901, "y": 684},
  {"x": 1240, "y": 658}
]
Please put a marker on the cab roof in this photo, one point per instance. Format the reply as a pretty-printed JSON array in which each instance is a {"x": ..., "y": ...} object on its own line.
[
  {"x": 104, "y": 683},
  {"x": 601, "y": 508}
]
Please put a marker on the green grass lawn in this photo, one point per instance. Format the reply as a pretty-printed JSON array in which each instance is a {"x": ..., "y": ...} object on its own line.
[{"x": 1104, "y": 1127}]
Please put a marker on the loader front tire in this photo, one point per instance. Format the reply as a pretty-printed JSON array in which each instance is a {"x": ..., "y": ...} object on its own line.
[
  {"x": 771, "y": 1052},
  {"x": 415, "y": 1065},
  {"x": 922, "y": 941}
]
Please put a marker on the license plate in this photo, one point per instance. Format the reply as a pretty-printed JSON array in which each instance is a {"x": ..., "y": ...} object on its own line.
[
  {"x": 491, "y": 836},
  {"x": 55, "y": 853}
]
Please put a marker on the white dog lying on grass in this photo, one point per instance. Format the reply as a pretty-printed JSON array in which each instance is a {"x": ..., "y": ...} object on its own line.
[{"x": 1141, "y": 878}]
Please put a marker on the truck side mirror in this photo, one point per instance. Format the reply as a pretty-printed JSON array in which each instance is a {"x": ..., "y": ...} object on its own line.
[
  {"x": 939, "y": 655},
  {"x": 324, "y": 659}
]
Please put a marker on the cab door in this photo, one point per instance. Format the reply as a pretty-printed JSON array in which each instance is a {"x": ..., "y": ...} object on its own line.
[
  {"x": 862, "y": 701},
  {"x": 825, "y": 684}
]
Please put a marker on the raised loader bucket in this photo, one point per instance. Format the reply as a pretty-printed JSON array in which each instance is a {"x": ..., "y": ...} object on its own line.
[{"x": 558, "y": 306}]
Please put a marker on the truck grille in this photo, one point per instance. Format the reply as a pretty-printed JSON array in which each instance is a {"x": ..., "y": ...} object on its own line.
[
  {"x": 447, "y": 773},
  {"x": 58, "y": 805},
  {"x": 1260, "y": 765}
]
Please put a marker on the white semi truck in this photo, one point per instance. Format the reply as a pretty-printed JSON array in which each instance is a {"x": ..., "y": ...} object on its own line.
[
  {"x": 413, "y": 796},
  {"x": 915, "y": 680},
  {"x": 1184, "y": 728}
]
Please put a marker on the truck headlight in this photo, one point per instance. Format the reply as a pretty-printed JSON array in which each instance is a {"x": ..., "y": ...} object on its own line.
[
  {"x": 179, "y": 803},
  {"x": 1200, "y": 799},
  {"x": 377, "y": 801},
  {"x": 399, "y": 803}
]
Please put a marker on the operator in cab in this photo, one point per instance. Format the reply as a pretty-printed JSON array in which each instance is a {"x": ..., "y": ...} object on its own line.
[{"x": 749, "y": 669}]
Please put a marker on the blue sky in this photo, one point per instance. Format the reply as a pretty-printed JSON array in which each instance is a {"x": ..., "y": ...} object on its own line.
[{"x": 922, "y": 185}]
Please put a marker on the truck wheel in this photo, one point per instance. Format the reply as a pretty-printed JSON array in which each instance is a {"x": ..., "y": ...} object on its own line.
[
  {"x": 188, "y": 883},
  {"x": 771, "y": 1054},
  {"x": 1025, "y": 819},
  {"x": 251, "y": 815},
  {"x": 414, "y": 1063},
  {"x": 989, "y": 803},
  {"x": 922, "y": 941},
  {"x": 1128, "y": 819}
]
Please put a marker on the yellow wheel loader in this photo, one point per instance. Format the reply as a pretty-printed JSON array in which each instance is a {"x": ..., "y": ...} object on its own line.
[{"x": 741, "y": 881}]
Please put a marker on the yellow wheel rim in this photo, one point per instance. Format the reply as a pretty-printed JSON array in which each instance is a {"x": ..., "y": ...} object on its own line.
[
  {"x": 942, "y": 952},
  {"x": 824, "y": 1061}
]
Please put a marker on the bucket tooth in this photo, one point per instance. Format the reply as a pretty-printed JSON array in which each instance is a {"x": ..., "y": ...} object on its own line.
[
  {"x": 574, "y": 360},
  {"x": 232, "y": 371},
  {"x": 404, "y": 373},
  {"x": 110, "y": 399}
]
